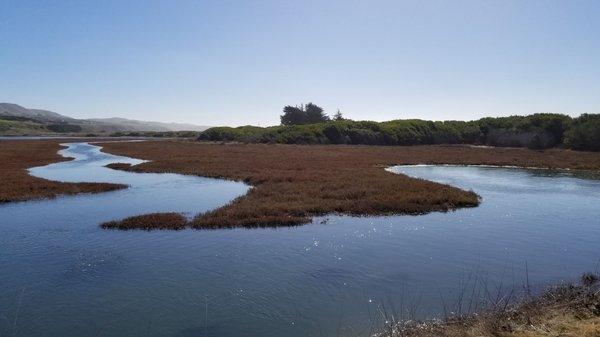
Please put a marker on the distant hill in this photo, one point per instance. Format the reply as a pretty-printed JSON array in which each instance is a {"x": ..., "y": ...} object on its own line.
[
  {"x": 18, "y": 120},
  {"x": 15, "y": 110},
  {"x": 151, "y": 126}
]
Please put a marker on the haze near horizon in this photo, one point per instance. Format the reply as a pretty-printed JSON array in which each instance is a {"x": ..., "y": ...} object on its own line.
[{"x": 235, "y": 63}]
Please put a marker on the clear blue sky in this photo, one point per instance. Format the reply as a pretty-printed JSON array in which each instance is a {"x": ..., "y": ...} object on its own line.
[{"x": 238, "y": 62}]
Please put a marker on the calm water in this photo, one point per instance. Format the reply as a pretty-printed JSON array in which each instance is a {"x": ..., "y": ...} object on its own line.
[{"x": 61, "y": 275}]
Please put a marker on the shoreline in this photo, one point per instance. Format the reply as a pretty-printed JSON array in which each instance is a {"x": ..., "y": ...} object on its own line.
[
  {"x": 18, "y": 185},
  {"x": 292, "y": 184},
  {"x": 565, "y": 310},
  {"x": 288, "y": 189},
  {"x": 568, "y": 310}
]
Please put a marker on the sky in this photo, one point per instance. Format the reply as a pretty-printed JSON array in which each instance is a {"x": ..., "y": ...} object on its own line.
[{"x": 239, "y": 62}]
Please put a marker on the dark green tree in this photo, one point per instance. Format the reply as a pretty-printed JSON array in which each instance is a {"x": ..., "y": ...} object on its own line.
[
  {"x": 315, "y": 114},
  {"x": 338, "y": 116},
  {"x": 293, "y": 115},
  {"x": 309, "y": 114}
]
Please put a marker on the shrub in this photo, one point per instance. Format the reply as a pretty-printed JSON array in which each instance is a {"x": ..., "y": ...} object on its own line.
[
  {"x": 335, "y": 133},
  {"x": 64, "y": 128},
  {"x": 363, "y": 136},
  {"x": 537, "y": 131},
  {"x": 584, "y": 133}
]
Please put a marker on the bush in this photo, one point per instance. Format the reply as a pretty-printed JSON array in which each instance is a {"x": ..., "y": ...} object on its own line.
[
  {"x": 584, "y": 133},
  {"x": 364, "y": 136},
  {"x": 554, "y": 125},
  {"x": 63, "y": 128},
  {"x": 335, "y": 133},
  {"x": 4, "y": 126},
  {"x": 537, "y": 131}
]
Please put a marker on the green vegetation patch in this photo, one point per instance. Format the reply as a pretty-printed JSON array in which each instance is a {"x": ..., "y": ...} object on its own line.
[
  {"x": 20, "y": 126},
  {"x": 536, "y": 131}
]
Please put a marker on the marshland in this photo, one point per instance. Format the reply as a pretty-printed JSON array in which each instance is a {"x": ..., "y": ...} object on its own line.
[
  {"x": 292, "y": 183},
  {"x": 269, "y": 168},
  {"x": 17, "y": 184},
  {"x": 304, "y": 239},
  {"x": 354, "y": 262}
]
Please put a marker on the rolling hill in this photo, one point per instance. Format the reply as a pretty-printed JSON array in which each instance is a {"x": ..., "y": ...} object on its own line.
[{"x": 18, "y": 120}]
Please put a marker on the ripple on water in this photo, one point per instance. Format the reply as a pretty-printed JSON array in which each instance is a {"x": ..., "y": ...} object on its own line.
[{"x": 308, "y": 280}]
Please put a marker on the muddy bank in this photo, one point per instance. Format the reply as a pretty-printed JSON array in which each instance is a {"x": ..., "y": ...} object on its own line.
[{"x": 566, "y": 310}]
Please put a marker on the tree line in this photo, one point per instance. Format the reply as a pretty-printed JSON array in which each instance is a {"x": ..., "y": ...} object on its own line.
[{"x": 308, "y": 124}]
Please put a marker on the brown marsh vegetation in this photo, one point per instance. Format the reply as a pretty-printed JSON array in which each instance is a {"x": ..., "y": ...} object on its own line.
[
  {"x": 149, "y": 222},
  {"x": 292, "y": 183},
  {"x": 17, "y": 185},
  {"x": 566, "y": 310}
]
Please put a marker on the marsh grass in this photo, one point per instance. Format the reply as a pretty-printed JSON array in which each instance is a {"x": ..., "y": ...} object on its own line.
[
  {"x": 16, "y": 183},
  {"x": 149, "y": 222},
  {"x": 293, "y": 183},
  {"x": 118, "y": 166}
]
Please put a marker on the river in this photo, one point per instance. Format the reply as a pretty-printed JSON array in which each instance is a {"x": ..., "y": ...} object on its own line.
[{"x": 62, "y": 275}]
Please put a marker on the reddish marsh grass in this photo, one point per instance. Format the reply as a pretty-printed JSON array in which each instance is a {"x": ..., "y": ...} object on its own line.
[
  {"x": 295, "y": 182},
  {"x": 17, "y": 185},
  {"x": 149, "y": 222}
]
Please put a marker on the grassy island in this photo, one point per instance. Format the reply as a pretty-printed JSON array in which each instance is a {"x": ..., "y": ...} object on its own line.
[{"x": 149, "y": 222}]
